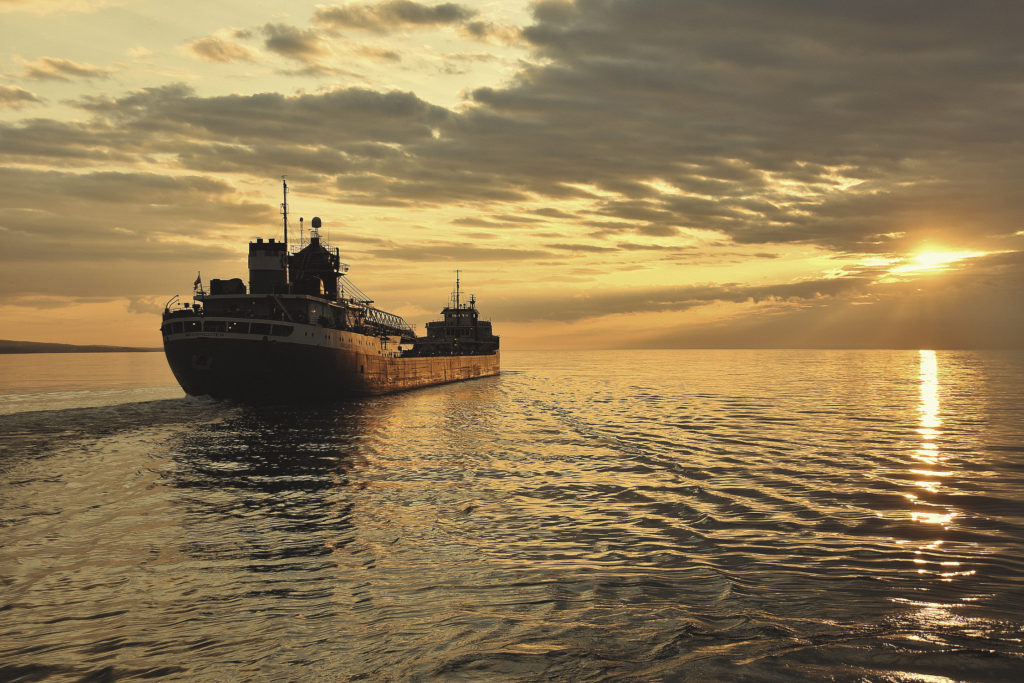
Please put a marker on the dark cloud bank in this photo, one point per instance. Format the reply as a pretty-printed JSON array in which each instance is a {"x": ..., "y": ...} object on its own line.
[{"x": 860, "y": 127}]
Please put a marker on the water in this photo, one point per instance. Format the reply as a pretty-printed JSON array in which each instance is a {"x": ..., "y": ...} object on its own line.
[{"x": 658, "y": 515}]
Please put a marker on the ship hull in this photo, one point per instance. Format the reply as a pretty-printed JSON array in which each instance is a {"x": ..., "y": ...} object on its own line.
[{"x": 276, "y": 370}]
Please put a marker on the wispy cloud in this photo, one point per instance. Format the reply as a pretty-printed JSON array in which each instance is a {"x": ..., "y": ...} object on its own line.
[
  {"x": 490, "y": 32},
  {"x": 57, "y": 69},
  {"x": 14, "y": 97},
  {"x": 218, "y": 49},
  {"x": 584, "y": 305},
  {"x": 391, "y": 15},
  {"x": 458, "y": 253}
]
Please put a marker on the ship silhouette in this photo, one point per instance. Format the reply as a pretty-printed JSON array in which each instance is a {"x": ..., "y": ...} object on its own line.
[{"x": 302, "y": 330}]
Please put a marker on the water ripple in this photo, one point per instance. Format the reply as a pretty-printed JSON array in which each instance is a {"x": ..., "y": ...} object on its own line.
[{"x": 750, "y": 515}]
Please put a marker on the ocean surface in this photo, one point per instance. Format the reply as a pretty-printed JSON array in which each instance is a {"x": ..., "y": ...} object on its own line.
[{"x": 655, "y": 515}]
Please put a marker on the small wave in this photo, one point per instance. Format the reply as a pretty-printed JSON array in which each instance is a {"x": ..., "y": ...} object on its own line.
[{"x": 749, "y": 515}]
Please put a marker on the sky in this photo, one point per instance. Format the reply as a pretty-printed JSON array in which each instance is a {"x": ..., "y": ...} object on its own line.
[{"x": 604, "y": 173}]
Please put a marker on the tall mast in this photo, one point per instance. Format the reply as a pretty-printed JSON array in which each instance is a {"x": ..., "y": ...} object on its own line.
[
  {"x": 456, "y": 289},
  {"x": 284, "y": 211}
]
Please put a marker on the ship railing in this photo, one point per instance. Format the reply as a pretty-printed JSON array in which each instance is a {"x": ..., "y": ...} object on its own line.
[
  {"x": 294, "y": 249},
  {"x": 389, "y": 322}
]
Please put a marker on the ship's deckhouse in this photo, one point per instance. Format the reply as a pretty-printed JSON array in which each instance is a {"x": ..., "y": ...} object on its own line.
[{"x": 460, "y": 330}]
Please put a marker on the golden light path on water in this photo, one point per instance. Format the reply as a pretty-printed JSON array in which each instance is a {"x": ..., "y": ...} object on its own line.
[
  {"x": 932, "y": 615},
  {"x": 928, "y": 451}
]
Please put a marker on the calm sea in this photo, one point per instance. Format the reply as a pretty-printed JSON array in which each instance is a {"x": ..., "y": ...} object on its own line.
[{"x": 657, "y": 515}]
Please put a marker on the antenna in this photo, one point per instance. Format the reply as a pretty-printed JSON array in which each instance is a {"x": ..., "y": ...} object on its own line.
[
  {"x": 284, "y": 211},
  {"x": 457, "y": 289},
  {"x": 302, "y": 236}
]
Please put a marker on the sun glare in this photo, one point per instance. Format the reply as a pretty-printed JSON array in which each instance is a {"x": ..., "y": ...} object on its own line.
[{"x": 933, "y": 260}]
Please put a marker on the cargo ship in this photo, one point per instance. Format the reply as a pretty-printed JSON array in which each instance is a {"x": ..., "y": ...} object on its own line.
[{"x": 302, "y": 330}]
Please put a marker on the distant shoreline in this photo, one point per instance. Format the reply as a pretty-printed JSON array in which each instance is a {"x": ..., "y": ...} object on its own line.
[{"x": 11, "y": 346}]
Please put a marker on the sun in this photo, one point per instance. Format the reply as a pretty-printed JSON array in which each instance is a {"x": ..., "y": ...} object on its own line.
[
  {"x": 933, "y": 260},
  {"x": 938, "y": 259}
]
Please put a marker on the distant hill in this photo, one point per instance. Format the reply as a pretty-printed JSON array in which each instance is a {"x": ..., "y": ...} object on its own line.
[{"x": 10, "y": 346}]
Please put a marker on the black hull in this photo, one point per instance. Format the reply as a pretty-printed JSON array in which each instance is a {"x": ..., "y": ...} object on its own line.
[{"x": 272, "y": 371}]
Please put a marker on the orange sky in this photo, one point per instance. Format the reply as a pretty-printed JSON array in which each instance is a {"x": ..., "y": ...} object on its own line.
[{"x": 605, "y": 173}]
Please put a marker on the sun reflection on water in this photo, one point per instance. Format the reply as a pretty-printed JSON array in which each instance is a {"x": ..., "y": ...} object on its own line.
[
  {"x": 929, "y": 407},
  {"x": 928, "y": 450},
  {"x": 929, "y": 476},
  {"x": 930, "y": 619}
]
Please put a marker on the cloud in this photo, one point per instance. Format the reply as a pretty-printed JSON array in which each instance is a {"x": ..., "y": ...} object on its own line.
[
  {"x": 960, "y": 310},
  {"x": 696, "y": 141},
  {"x": 740, "y": 122},
  {"x": 146, "y": 305},
  {"x": 378, "y": 53},
  {"x": 13, "y": 97},
  {"x": 490, "y": 32},
  {"x": 216, "y": 49},
  {"x": 318, "y": 70},
  {"x": 49, "y": 302},
  {"x": 57, "y": 69},
  {"x": 968, "y": 308},
  {"x": 116, "y": 232},
  {"x": 592, "y": 248},
  {"x": 45, "y": 141},
  {"x": 376, "y": 125},
  {"x": 245, "y": 133},
  {"x": 581, "y": 306},
  {"x": 391, "y": 15},
  {"x": 867, "y": 128},
  {"x": 813, "y": 124},
  {"x": 294, "y": 43},
  {"x": 455, "y": 252}
]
